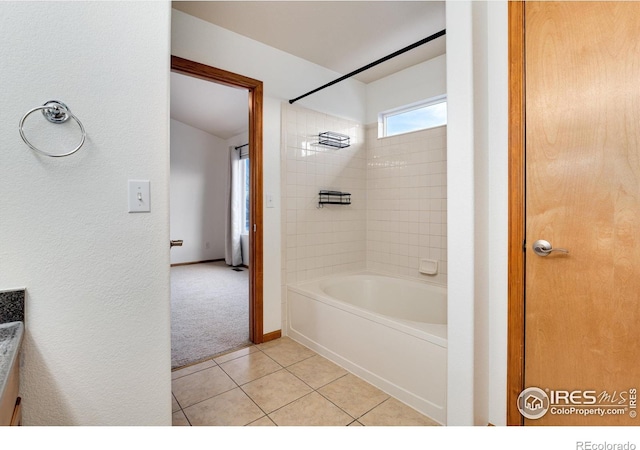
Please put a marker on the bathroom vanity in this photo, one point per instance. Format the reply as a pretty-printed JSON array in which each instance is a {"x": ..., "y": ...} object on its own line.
[
  {"x": 11, "y": 333},
  {"x": 10, "y": 341}
]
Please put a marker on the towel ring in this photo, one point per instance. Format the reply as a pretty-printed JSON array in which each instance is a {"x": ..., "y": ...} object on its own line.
[{"x": 55, "y": 112}]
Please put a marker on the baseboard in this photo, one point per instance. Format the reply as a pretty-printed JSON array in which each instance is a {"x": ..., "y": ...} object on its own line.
[
  {"x": 271, "y": 336},
  {"x": 196, "y": 262}
]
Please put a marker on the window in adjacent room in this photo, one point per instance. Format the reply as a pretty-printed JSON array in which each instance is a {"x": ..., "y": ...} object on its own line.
[
  {"x": 245, "y": 193},
  {"x": 416, "y": 116}
]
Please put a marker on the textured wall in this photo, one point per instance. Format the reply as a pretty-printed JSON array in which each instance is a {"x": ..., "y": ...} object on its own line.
[{"x": 97, "y": 343}]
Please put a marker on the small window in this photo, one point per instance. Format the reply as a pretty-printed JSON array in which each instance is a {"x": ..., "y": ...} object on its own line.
[{"x": 417, "y": 116}]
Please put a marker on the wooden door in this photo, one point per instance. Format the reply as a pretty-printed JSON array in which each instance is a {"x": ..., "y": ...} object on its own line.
[
  {"x": 582, "y": 308},
  {"x": 256, "y": 241}
]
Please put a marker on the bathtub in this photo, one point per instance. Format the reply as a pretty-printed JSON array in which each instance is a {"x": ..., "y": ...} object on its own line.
[{"x": 388, "y": 331}]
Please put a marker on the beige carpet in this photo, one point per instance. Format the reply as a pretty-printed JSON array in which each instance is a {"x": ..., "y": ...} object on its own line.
[{"x": 209, "y": 311}]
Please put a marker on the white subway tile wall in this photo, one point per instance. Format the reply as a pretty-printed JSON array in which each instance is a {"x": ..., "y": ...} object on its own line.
[
  {"x": 328, "y": 240},
  {"x": 407, "y": 202},
  {"x": 398, "y": 211}
]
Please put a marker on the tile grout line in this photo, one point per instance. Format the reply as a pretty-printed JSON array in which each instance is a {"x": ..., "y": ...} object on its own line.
[
  {"x": 282, "y": 367},
  {"x": 342, "y": 409},
  {"x": 314, "y": 389},
  {"x": 332, "y": 381},
  {"x": 245, "y": 393},
  {"x": 216, "y": 364},
  {"x": 356, "y": 419},
  {"x": 208, "y": 398},
  {"x": 180, "y": 409},
  {"x": 283, "y": 406},
  {"x": 310, "y": 387},
  {"x": 371, "y": 409},
  {"x": 287, "y": 369}
]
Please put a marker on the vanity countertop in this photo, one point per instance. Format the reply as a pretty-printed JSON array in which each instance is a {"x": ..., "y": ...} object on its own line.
[{"x": 10, "y": 341}]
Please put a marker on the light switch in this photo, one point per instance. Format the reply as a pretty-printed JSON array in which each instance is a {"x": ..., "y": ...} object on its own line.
[
  {"x": 139, "y": 196},
  {"x": 269, "y": 201}
]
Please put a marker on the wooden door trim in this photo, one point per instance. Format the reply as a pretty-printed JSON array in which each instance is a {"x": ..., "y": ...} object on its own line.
[
  {"x": 255, "y": 88},
  {"x": 516, "y": 253}
]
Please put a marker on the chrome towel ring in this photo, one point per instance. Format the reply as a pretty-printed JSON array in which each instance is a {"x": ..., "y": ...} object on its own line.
[{"x": 55, "y": 112}]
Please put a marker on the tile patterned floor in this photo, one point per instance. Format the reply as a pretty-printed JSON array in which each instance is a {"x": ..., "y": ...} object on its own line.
[{"x": 281, "y": 383}]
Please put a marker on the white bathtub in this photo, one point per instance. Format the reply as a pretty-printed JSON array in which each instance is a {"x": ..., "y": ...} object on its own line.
[{"x": 391, "y": 332}]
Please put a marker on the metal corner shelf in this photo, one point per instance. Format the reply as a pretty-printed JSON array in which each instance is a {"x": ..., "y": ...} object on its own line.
[
  {"x": 332, "y": 139},
  {"x": 334, "y": 198}
]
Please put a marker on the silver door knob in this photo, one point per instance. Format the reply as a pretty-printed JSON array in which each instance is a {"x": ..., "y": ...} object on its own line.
[
  {"x": 543, "y": 248},
  {"x": 175, "y": 243}
]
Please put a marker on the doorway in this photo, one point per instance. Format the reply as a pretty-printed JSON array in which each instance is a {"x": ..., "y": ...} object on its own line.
[
  {"x": 574, "y": 183},
  {"x": 255, "y": 234}
]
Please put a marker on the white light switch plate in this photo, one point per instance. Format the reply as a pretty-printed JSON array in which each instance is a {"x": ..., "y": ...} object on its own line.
[
  {"x": 139, "y": 196},
  {"x": 270, "y": 201}
]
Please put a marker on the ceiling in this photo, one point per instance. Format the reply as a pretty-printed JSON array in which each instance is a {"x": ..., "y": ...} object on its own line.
[
  {"x": 339, "y": 35},
  {"x": 217, "y": 109}
]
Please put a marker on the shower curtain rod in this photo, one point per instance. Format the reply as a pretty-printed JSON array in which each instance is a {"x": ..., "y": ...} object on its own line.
[
  {"x": 240, "y": 146},
  {"x": 375, "y": 63}
]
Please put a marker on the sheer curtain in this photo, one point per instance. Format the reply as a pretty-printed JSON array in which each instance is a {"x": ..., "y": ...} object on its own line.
[{"x": 233, "y": 249}]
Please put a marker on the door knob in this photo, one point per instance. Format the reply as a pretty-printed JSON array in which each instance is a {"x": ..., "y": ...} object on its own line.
[
  {"x": 543, "y": 248},
  {"x": 175, "y": 243}
]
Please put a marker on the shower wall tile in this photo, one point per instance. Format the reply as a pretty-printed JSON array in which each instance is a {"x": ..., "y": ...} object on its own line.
[
  {"x": 407, "y": 202},
  {"x": 319, "y": 242},
  {"x": 398, "y": 187}
]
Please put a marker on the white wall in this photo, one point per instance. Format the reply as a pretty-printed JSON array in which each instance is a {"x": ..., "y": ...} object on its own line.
[
  {"x": 416, "y": 83},
  {"x": 284, "y": 77},
  {"x": 240, "y": 139},
  {"x": 199, "y": 173},
  {"x": 97, "y": 344},
  {"x": 477, "y": 82},
  {"x": 461, "y": 226},
  {"x": 481, "y": 204},
  {"x": 497, "y": 110}
]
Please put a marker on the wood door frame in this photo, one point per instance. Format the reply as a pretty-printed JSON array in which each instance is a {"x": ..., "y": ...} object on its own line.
[
  {"x": 256, "y": 268},
  {"x": 516, "y": 253}
]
